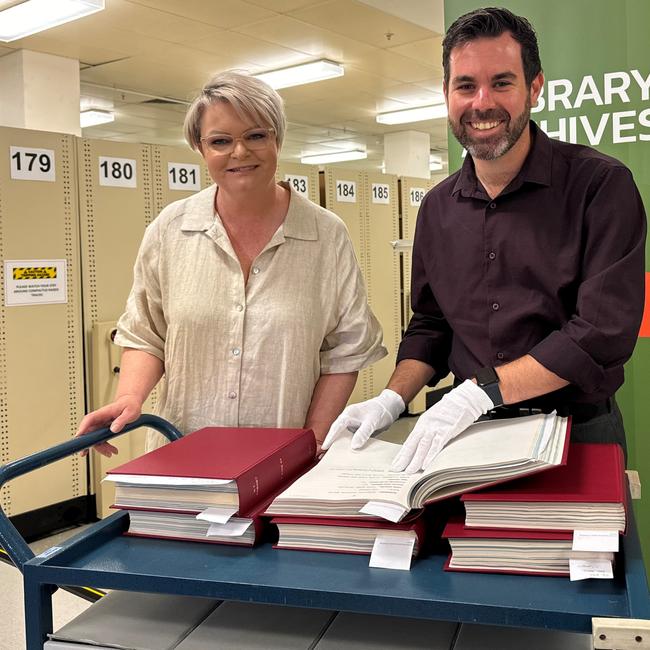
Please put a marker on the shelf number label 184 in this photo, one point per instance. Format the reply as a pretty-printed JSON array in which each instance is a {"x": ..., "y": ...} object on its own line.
[
  {"x": 299, "y": 184},
  {"x": 183, "y": 176},
  {"x": 29, "y": 164},
  {"x": 380, "y": 193},
  {"x": 346, "y": 191},
  {"x": 417, "y": 194},
  {"x": 117, "y": 172}
]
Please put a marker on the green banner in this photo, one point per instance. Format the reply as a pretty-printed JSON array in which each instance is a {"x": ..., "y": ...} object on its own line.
[{"x": 596, "y": 60}]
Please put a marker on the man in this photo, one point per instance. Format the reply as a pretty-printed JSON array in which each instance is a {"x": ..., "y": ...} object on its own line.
[{"x": 528, "y": 263}]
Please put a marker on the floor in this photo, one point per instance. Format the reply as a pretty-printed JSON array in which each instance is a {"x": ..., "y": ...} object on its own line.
[{"x": 12, "y": 622}]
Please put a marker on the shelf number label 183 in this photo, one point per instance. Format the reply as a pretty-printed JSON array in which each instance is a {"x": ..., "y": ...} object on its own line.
[
  {"x": 299, "y": 184},
  {"x": 380, "y": 193},
  {"x": 183, "y": 176},
  {"x": 117, "y": 172},
  {"x": 417, "y": 194},
  {"x": 29, "y": 164},
  {"x": 346, "y": 191}
]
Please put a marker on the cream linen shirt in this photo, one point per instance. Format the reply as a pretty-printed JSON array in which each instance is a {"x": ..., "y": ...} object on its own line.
[{"x": 246, "y": 354}]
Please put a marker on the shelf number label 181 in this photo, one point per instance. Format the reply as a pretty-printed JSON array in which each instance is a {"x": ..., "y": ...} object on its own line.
[
  {"x": 346, "y": 191},
  {"x": 183, "y": 176},
  {"x": 380, "y": 193},
  {"x": 29, "y": 164},
  {"x": 299, "y": 184},
  {"x": 417, "y": 194},
  {"x": 117, "y": 172}
]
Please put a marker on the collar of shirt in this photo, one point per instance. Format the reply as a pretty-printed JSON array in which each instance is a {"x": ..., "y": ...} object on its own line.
[
  {"x": 300, "y": 222},
  {"x": 536, "y": 169}
]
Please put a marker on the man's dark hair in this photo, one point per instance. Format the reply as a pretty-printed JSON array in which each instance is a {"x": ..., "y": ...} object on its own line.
[{"x": 491, "y": 22}]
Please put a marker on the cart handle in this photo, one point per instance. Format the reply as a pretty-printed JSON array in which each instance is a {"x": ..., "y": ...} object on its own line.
[{"x": 10, "y": 539}]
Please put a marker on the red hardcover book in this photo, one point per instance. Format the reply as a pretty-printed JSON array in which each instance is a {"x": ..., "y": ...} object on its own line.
[
  {"x": 507, "y": 551},
  {"x": 340, "y": 535},
  {"x": 257, "y": 462},
  {"x": 587, "y": 493}
]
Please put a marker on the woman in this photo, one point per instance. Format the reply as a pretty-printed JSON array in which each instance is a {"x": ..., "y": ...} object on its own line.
[{"x": 247, "y": 297}]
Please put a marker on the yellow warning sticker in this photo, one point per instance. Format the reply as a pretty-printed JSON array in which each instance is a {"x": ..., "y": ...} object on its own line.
[{"x": 34, "y": 272}]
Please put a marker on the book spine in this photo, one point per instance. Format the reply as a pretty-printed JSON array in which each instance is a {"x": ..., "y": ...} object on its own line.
[{"x": 269, "y": 475}]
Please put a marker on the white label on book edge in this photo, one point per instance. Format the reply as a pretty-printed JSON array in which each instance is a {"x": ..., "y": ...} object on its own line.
[
  {"x": 234, "y": 528},
  {"x": 217, "y": 515},
  {"x": 595, "y": 540},
  {"x": 134, "y": 479},
  {"x": 389, "y": 511},
  {"x": 584, "y": 569},
  {"x": 393, "y": 551}
]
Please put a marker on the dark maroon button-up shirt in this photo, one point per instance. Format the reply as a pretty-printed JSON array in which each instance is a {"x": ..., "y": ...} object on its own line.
[{"x": 552, "y": 267}]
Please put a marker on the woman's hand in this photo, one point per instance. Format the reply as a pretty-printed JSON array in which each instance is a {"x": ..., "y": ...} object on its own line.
[{"x": 123, "y": 410}]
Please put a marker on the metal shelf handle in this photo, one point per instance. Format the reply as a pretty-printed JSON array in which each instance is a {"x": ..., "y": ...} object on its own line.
[{"x": 10, "y": 538}]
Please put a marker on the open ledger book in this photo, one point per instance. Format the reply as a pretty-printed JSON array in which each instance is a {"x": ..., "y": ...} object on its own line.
[{"x": 344, "y": 482}]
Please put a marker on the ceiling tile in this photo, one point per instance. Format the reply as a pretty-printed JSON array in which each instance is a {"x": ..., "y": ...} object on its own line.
[{"x": 345, "y": 16}]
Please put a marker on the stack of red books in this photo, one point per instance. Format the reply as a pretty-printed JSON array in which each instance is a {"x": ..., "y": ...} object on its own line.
[{"x": 527, "y": 525}]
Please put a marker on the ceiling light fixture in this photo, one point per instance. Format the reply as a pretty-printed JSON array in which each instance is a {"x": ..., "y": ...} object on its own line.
[
  {"x": 95, "y": 116},
  {"x": 435, "y": 163},
  {"x": 34, "y": 16},
  {"x": 306, "y": 73},
  {"x": 335, "y": 156},
  {"x": 419, "y": 114}
]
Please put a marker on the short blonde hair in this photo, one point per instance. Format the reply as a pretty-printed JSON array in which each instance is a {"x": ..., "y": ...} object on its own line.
[{"x": 251, "y": 97}]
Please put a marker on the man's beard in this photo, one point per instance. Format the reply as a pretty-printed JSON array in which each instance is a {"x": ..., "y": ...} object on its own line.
[{"x": 491, "y": 148}]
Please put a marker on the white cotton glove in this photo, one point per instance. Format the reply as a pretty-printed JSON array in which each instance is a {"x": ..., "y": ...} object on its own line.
[
  {"x": 440, "y": 424},
  {"x": 366, "y": 418}
]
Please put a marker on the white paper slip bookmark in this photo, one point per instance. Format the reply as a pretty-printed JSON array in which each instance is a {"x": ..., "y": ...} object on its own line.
[
  {"x": 583, "y": 569},
  {"x": 595, "y": 540},
  {"x": 217, "y": 515},
  {"x": 164, "y": 480},
  {"x": 234, "y": 528},
  {"x": 389, "y": 511},
  {"x": 393, "y": 551}
]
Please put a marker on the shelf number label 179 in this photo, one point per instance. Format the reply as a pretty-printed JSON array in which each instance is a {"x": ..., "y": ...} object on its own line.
[
  {"x": 346, "y": 191},
  {"x": 29, "y": 164},
  {"x": 117, "y": 172},
  {"x": 417, "y": 194},
  {"x": 380, "y": 193},
  {"x": 299, "y": 184},
  {"x": 183, "y": 176}
]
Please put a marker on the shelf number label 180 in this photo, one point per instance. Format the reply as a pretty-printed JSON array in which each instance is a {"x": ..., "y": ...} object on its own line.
[
  {"x": 299, "y": 184},
  {"x": 380, "y": 193},
  {"x": 346, "y": 191},
  {"x": 117, "y": 172},
  {"x": 29, "y": 164},
  {"x": 417, "y": 194},
  {"x": 183, "y": 176}
]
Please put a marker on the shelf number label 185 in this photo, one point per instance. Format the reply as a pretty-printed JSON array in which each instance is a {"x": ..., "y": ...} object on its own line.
[
  {"x": 417, "y": 194},
  {"x": 183, "y": 176},
  {"x": 117, "y": 172},
  {"x": 380, "y": 193},
  {"x": 299, "y": 184},
  {"x": 346, "y": 191},
  {"x": 29, "y": 164}
]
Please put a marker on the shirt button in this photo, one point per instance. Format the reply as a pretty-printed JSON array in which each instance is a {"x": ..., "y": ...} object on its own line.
[
  {"x": 492, "y": 255},
  {"x": 239, "y": 307},
  {"x": 495, "y": 306},
  {"x": 232, "y": 395},
  {"x": 493, "y": 205},
  {"x": 500, "y": 356},
  {"x": 236, "y": 351},
  {"x": 256, "y": 270}
]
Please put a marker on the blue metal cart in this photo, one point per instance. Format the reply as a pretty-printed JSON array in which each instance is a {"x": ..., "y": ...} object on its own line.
[{"x": 101, "y": 556}]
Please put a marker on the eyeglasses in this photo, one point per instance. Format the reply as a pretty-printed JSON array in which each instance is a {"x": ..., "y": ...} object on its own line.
[{"x": 253, "y": 139}]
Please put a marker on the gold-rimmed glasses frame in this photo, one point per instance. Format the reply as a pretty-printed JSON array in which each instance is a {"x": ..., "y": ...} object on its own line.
[{"x": 223, "y": 144}]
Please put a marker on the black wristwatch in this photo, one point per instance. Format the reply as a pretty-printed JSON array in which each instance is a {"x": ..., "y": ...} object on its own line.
[{"x": 488, "y": 380}]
